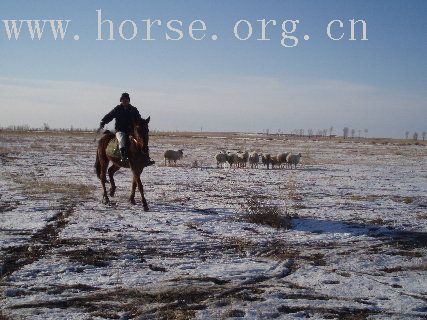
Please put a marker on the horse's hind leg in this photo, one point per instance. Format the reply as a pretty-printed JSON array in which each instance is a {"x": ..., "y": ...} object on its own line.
[
  {"x": 103, "y": 178},
  {"x": 111, "y": 171},
  {"x": 141, "y": 190}
]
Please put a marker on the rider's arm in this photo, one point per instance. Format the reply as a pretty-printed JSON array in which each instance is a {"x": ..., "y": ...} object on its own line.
[
  {"x": 136, "y": 114},
  {"x": 108, "y": 117}
]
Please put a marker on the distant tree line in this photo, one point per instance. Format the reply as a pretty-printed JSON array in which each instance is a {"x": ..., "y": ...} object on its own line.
[
  {"x": 415, "y": 135},
  {"x": 314, "y": 133},
  {"x": 45, "y": 127}
]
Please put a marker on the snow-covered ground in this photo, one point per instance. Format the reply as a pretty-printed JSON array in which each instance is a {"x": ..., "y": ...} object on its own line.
[{"x": 356, "y": 248}]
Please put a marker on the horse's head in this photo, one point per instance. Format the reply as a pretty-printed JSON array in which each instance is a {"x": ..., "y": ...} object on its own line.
[{"x": 141, "y": 132}]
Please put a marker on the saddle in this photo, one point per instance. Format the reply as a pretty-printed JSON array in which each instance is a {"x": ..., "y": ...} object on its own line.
[{"x": 113, "y": 149}]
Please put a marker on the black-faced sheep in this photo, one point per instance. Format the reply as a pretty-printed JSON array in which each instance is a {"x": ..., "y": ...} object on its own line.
[
  {"x": 266, "y": 160},
  {"x": 242, "y": 159},
  {"x": 254, "y": 159},
  {"x": 172, "y": 155},
  {"x": 221, "y": 158},
  {"x": 274, "y": 161}
]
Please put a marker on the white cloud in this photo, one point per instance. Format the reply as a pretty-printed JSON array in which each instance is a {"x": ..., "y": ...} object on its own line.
[{"x": 238, "y": 103}]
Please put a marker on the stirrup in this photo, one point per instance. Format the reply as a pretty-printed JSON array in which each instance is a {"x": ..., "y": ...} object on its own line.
[
  {"x": 148, "y": 162},
  {"x": 123, "y": 155}
]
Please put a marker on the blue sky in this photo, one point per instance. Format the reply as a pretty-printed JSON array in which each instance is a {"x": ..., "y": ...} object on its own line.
[{"x": 379, "y": 84}]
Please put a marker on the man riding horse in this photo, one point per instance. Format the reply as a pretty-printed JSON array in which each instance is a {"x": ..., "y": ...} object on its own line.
[{"x": 126, "y": 115}]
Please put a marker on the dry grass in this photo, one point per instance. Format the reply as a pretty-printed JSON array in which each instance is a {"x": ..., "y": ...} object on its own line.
[
  {"x": 374, "y": 197},
  {"x": 37, "y": 187},
  {"x": 369, "y": 197},
  {"x": 307, "y": 156},
  {"x": 258, "y": 212},
  {"x": 401, "y": 199}
]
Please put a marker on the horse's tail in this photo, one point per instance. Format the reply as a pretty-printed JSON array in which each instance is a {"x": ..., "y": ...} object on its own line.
[{"x": 98, "y": 166}]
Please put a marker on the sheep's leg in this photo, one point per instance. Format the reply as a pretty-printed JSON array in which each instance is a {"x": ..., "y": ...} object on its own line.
[
  {"x": 165, "y": 162},
  {"x": 103, "y": 176}
]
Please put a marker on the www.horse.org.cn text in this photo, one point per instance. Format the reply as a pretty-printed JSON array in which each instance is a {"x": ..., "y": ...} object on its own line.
[{"x": 261, "y": 30}]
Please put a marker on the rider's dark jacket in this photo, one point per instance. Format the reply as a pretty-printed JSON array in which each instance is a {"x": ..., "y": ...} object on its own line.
[{"x": 125, "y": 118}]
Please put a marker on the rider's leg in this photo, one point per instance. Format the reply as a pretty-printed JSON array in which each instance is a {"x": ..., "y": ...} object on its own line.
[
  {"x": 122, "y": 137},
  {"x": 147, "y": 160}
]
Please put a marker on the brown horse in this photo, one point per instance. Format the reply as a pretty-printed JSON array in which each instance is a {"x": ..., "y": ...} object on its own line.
[{"x": 137, "y": 151}]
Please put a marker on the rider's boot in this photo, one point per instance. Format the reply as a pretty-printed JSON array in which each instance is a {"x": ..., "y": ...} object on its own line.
[
  {"x": 148, "y": 161},
  {"x": 124, "y": 154}
]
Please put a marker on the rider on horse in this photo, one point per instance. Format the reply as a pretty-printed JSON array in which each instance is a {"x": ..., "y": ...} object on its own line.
[{"x": 125, "y": 115}]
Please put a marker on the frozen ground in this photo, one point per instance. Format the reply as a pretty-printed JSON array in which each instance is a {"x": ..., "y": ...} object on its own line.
[{"x": 356, "y": 248}]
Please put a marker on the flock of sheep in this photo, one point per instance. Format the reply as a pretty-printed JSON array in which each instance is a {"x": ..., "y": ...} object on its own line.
[{"x": 241, "y": 159}]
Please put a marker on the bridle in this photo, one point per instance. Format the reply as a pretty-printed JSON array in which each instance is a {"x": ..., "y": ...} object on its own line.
[{"x": 140, "y": 137}]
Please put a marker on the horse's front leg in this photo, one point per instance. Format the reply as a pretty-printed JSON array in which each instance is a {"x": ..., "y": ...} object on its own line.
[
  {"x": 141, "y": 190},
  {"x": 132, "y": 195}
]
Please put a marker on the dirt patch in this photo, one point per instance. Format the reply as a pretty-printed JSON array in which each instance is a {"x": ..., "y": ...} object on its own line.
[
  {"x": 328, "y": 313},
  {"x": 95, "y": 257},
  {"x": 8, "y": 205},
  {"x": 175, "y": 303},
  {"x": 42, "y": 241}
]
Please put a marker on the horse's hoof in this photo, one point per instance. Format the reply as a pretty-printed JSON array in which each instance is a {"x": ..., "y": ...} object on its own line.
[
  {"x": 146, "y": 208},
  {"x": 105, "y": 201},
  {"x": 132, "y": 201}
]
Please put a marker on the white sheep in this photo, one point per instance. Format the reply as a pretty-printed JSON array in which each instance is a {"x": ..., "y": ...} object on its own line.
[
  {"x": 221, "y": 158},
  {"x": 172, "y": 155},
  {"x": 274, "y": 161},
  {"x": 254, "y": 159},
  {"x": 242, "y": 159},
  {"x": 281, "y": 157},
  {"x": 293, "y": 159}
]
